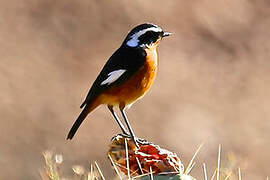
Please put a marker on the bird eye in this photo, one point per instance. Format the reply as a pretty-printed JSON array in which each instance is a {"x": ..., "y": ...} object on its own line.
[{"x": 149, "y": 37}]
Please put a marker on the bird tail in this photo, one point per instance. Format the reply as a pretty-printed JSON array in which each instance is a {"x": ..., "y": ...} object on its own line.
[{"x": 87, "y": 109}]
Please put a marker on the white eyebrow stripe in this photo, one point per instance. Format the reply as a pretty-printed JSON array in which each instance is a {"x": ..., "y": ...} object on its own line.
[
  {"x": 134, "y": 41},
  {"x": 113, "y": 76}
]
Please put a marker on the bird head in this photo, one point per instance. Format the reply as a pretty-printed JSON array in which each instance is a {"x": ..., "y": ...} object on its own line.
[{"x": 145, "y": 35}]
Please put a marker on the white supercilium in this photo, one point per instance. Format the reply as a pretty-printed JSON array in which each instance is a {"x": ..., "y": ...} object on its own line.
[
  {"x": 113, "y": 76},
  {"x": 134, "y": 41}
]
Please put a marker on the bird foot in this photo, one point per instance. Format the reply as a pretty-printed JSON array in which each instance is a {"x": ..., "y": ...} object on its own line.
[{"x": 137, "y": 141}]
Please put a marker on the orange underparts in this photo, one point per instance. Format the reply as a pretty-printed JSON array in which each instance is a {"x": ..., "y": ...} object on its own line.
[{"x": 136, "y": 86}]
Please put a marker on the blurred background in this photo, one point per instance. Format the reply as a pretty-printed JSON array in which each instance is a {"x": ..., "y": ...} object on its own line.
[{"x": 212, "y": 85}]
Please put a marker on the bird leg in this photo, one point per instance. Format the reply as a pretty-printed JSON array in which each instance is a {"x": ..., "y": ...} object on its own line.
[
  {"x": 122, "y": 109},
  {"x": 118, "y": 121}
]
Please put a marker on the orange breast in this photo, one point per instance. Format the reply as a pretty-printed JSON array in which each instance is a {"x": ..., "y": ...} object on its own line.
[{"x": 137, "y": 85}]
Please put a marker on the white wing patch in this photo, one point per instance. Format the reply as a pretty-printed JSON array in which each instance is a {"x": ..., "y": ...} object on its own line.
[
  {"x": 113, "y": 76},
  {"x": 134, "y": 41}
]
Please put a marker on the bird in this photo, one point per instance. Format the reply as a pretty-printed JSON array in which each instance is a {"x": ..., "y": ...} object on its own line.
[{"x": 126, "y": 77}]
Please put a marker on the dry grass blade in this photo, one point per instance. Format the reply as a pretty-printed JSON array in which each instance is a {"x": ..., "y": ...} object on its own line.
[
  {"x": 126, "y": 146},
  {"x": 133, "y": 173},
  {"x": 188, "y": 169},
  {"x": 205, "y": 172},
  {"x": 115, "y": 167},
  {"x": 239, "y": 174},
  {"x": 228, "y": 176},
  {"x": 90, "y": 175},
  {"x": 51, "y": 167},
  {"x": 214, "y": 174},
  {"x": 151, "y": 173},
  {"x": 218, "y": 165},
  {"x": 139, "y": 164},
  {"x": 142, "y": 175},
  {"x": 167, "y": 173},
  {"x": 99, "y": 171}
]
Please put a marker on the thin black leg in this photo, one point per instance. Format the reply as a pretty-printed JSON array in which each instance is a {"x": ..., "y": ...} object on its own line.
[
  {"x": 118, "y": 120},
  {"x": 129, "y": 127}
]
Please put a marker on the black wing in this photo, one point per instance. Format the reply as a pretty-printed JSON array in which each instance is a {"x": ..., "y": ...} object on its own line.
[{"x": 129, "y": 59}]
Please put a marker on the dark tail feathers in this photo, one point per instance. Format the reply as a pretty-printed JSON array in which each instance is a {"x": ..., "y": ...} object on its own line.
[
  {"x": 78, "y": 122},
  {"x": 83, "y": 104}
]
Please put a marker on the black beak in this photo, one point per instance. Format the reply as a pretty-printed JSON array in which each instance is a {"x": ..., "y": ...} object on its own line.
[{"x": 166, "y": 34}]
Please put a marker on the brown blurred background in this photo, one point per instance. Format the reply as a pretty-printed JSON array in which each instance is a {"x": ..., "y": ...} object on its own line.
[{"x": 212, "y": 86}]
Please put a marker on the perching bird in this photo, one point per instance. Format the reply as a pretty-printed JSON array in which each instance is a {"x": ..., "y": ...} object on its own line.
[{"x": 126, "y": 77}]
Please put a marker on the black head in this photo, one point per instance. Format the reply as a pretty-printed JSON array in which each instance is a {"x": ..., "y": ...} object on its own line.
[{"x": 144, "y": 35}]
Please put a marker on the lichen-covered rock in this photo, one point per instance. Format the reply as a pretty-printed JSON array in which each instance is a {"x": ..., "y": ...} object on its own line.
[
  {"x": 176, "y": 177},
  {"x": 145, "y": 159}
]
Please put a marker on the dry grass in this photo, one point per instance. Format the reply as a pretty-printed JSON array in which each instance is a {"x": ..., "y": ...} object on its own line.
[{"x": 53, "y": 164}]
